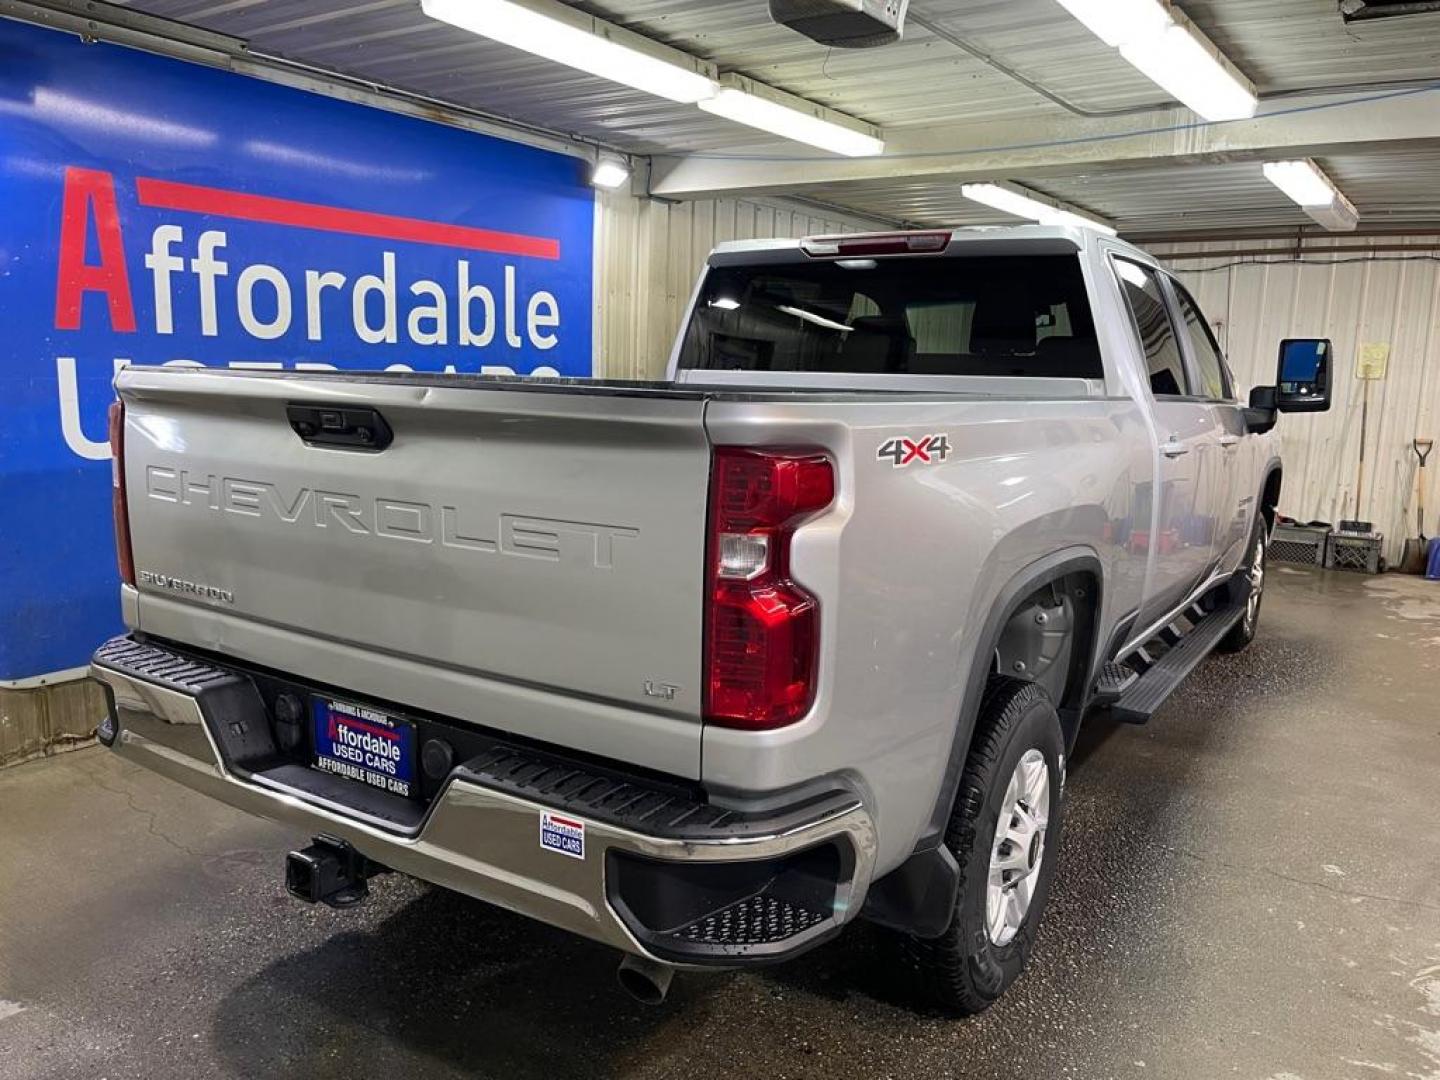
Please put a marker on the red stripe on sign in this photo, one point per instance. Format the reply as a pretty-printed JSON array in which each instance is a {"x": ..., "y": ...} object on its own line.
[
  {"x": 351, "y": 722},
  {"x": 168, "y": 195},
  {"x": 558, "y": 820}
]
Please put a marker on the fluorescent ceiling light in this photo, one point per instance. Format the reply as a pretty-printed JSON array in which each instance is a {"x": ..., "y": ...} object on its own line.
[
  {"x": 567, "y": 36},
  {"x": 609, "y": 172},
  {"x": 558, "y": 32},
  {"x": 1339, "y": 216},
  {"x": 1191, "y": 70},
  {"x": 759, "y": 106},
  {"x": 1011, "y": 199},
  {"x": 725, "y": 303},
  {"x": 1117, "y": 21},
  {"x": 1308, "y": 187},
  {"x": 1171, "y": 52},
  {"x": 1302, "y": 181}
]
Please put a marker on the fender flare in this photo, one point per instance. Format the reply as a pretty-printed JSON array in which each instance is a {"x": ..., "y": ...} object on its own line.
[
  {"x": 1006, "y": 603},
  {"x": 919, "y": 895}
]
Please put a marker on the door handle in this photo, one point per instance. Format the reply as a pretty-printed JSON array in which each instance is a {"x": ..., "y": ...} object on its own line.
[
  {"x": 1174, "y": 448},
  {"x": 1228, "y": 441}
]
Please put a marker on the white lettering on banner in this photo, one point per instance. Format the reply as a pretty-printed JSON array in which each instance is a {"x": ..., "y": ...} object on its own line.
[
  {"x": 365, "y": 284},
  {"x": 536, "y": 319},
  {"x": 511, "y": 337},
  {"x": 161, "y": 263},
  {"x": 70, "y": 414},
  {"x": 245, "y": 299},
  {"x": 374, "y": 300},
  {"x": 468, "y": 293},
  {"x": 207, "y": 268},
  {"x": 264, "y": 308},
  {"x": 316, "y": 283},
  {"x": 435, "y": 312}
]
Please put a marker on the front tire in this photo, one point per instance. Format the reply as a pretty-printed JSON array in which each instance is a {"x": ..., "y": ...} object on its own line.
[
  {"x": 1004, "y": 833},
  {"x": 1243, "y": 632}
]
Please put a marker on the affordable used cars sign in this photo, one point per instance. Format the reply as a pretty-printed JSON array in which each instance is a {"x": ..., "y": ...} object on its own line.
[{"x": 158, "y": 212}]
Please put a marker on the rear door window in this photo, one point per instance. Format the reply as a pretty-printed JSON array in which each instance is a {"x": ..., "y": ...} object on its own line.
[
  {"x": 1011, "y": 316},
  {"x": 1163, "y": 358}
]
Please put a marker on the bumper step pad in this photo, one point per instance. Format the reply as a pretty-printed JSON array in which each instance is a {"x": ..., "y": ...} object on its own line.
[
  {"x": 756, "y": 920},
  {"x": 160, "y": 665}
]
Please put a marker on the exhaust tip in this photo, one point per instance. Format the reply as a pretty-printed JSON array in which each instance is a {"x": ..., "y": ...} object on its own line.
[{"x": 645, "y": 980}]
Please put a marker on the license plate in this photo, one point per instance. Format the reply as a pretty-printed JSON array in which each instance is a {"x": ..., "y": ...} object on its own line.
[{"x": 365, "y": 745}]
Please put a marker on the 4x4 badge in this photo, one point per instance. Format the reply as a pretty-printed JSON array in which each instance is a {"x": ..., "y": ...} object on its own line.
[{"x": 922, "y": 449}]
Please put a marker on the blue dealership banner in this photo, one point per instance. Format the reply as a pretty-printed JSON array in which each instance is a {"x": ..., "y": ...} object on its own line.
[{"x": 160, "y": 212}]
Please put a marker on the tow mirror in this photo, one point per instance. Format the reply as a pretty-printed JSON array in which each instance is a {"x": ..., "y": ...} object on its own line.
[{"x": 1303, "y": 376}]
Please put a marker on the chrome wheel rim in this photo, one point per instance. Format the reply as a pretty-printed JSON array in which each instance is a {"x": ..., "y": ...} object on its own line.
[
  {"x": 1019, "y": 849},
  {"x": 1257, "y": 584}
]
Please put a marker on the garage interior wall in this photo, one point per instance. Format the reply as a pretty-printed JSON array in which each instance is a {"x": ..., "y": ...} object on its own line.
[
  {"x": 1366, "y": 294},
  {"x": 649, "y": 253}
]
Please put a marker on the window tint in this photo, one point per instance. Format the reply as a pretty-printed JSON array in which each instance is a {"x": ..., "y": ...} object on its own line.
[
  {"x": 1157, "y": 335},
  {"x": 1025, "y": 315},
  {"x": 1209, "y": 363}
]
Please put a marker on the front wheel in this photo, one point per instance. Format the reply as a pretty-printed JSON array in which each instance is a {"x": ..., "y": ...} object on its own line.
[
  {"x": 1004, "y": 832},
  {"x": 1243, "y": 632}
]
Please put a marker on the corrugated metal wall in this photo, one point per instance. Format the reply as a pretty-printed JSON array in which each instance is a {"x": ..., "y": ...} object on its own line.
[
  {"x": 648, "y": 255},
  {"x": 1355, "y": 297}
]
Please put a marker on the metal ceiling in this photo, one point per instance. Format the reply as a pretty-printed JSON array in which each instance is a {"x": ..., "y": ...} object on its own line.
[
  {"x": 1283, "y": 45},
  {"x": 1385, "y": 187}
]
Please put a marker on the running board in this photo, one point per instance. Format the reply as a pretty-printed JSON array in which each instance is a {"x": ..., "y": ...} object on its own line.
[{"x": 1142, "y": 697}]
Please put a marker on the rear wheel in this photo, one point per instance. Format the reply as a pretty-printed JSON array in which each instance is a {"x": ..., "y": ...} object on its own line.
[
  {"x": 1004, "y": 832},
  {"x": 1243, "y": 632}
]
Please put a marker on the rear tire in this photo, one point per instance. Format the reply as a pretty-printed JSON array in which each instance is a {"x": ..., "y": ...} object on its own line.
[
  {"x": 1243, "y": 632},
  {"x": 1013, "y": 787}
]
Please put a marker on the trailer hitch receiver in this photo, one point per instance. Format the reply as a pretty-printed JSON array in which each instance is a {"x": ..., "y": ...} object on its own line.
[{"x": 329, "y": 871}]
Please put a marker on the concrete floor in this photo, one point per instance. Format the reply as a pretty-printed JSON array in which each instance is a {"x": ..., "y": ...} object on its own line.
[{"x": 1250, "y": 886}]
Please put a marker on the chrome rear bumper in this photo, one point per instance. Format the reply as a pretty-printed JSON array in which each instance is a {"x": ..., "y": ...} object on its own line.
[{"x": 484, "y": 842}]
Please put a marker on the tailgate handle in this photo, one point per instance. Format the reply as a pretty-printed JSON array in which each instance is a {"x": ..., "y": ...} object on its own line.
[{"x": 340, "y": 426}]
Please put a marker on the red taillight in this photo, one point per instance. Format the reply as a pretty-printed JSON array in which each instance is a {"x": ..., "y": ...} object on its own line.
[
  {"x": 762, "y": 630},
  {"x": 117, "y": 491}
]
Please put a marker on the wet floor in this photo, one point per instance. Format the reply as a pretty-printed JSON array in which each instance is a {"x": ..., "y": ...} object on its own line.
[{"x": 1249, "y": 886}]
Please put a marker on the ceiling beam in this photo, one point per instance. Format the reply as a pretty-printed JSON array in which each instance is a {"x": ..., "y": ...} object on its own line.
[{"x": 1052, "y": 145}]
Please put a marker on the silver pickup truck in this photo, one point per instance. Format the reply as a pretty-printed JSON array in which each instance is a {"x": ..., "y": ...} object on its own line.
[{"x": 705, "y": 669}]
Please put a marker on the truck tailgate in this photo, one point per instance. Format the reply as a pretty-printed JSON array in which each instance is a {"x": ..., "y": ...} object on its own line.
[{"x": 530, "y": 560}]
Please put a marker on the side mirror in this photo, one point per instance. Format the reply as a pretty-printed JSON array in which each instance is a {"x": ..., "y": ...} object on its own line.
[{"x": 1303, "y": 376}]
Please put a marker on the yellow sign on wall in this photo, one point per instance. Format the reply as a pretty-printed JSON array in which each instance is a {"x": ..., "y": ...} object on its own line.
[{"x": 1374, "y": 358}]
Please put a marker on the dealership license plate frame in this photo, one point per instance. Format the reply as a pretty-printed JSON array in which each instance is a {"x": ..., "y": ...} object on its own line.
[{"x": 351, "y": 759}]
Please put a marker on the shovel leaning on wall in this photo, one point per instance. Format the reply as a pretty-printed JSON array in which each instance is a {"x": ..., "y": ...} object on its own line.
[{"x": 1416, "y": 556}]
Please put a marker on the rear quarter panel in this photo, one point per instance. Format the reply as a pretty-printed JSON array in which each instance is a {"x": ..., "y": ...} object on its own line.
[{"x": 908, "y": 563}]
